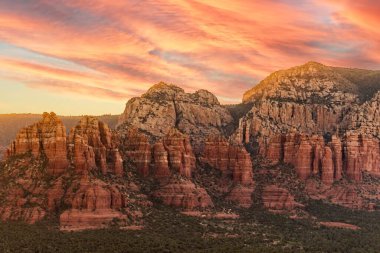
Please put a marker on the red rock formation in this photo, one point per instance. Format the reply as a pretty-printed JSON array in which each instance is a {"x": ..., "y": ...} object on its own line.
[
  {"x": 92, "y": 147},
  {"x": 95, "y": 204},
  {"x": 30, "y": 215},
  {"x": 54, "y": 195},
  {"x": 181, "y": 158},
  {"x": 172, "y": 154},
  {"x": 274, "y": 152},
  {"x": 161, "y": 164},
  {"x": 336, "y": 147},
  {"x": 92, "y": 196},
  {"x": 242, "y": 168},
  {"x": 233, "y": 161},
  {"x": 310, "y": 155},
  {"x": 370, "y": 152},
  {"x": 290, "y": 147},
  {"x": 303, "y": 159},
  {"x": 47, "y": 138},
  {"x": 353, "y": 158},
  {"x": 229, "y": 159},
  {"x": 362, "y": 154},
  {"x": 346, "y": 196},
  {"x": 184, "y": 194},
  {"x": 23, "y": 189},
  {"x": 75, "y": 219},
  {"x": 166, "y": 160},
  {"x": 16, "y": 206},
  {"x": 276, "y": 198},
  {"x": 317, "y": 159},
  {"x": 216, "y": 154},
  {"x": 116, "y": 162},
  {"x": 137, "y": 149},
  {"x": 327, "y": 176}
]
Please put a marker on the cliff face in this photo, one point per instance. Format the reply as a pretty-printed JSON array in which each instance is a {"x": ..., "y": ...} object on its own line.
[
  {"x": 46, "y": 175},
  {"x": 91, "y": 146},
  {"x": 164, "y": 107},
  {"x": 235, "y": 166},
  {"x": 316, "y": 118},
  {"x": 304, "y": 116},
  {"x": 171, "y": 162},
  {"x": 47, "y": 138}
]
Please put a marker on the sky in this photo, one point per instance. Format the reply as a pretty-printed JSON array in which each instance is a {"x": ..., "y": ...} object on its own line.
[{"x": 78, "y": 57}]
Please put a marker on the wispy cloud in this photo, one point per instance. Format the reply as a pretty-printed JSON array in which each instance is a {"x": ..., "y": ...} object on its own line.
[{"x": 116, "y": 49}]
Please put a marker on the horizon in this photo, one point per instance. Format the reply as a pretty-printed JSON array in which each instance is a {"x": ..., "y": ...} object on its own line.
[
  {"x": 91, "y": 57},
  {"x": 59, "y": 115}
]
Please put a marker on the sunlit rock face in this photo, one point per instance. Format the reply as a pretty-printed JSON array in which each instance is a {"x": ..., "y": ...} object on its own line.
[
  {"x": 80, "y": 180},
  {"x": 316, "y": 118},
  {"x": 46, "y": 138},
  {"x": 235, "y": 165},
  {"x": 92, "y": 146},
  {"x": 164, "y": 107},
  {"x": 232, "y": 160}
]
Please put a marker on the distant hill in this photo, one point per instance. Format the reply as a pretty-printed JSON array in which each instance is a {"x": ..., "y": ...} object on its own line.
[{"x": 10, "y": 124}]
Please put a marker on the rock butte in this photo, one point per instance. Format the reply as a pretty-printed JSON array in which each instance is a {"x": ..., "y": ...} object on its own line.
[
  {"x": 188, "y": 151},
  {"x": 72, "y": 165}
]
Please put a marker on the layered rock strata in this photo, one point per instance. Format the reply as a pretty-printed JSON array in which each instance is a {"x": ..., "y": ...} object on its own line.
[
  {"x": 170, "y": 161},
  {"x": 235, "y": 165},
  {"x": 46, "y": 138},
  {"x": 91, "y": 147},
  {"x": 46, "y": 175}
]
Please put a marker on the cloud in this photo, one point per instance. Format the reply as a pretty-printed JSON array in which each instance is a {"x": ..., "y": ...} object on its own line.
[
  {"x": 117, "y": 49},
  {"x": 72, "y": 87}
]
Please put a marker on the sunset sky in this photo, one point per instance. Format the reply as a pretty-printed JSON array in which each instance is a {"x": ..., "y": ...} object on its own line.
[{"x": 90, "y": 56}]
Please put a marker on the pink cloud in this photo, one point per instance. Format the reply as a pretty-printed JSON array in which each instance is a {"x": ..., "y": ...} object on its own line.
[{"x": 224, "y": 46}]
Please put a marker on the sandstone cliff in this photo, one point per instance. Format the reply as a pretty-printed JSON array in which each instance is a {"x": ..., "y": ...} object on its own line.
[
  {"x": 304, "y": 116},
  {"x": 171, "y": 162},
  {"x": 46, "y": 175},
  {"x": 91, "y": 146},
  {"x": 235, "y": 166},
  {"x": 47, "y": 138},
  {"x": 317, "y": 118}
]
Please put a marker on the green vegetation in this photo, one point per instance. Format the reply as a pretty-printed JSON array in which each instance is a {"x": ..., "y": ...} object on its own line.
[{"x": 169, "y": 231}]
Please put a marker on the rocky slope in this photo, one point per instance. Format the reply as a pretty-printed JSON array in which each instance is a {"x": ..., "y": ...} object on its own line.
[{"x": 165, "y": 106}]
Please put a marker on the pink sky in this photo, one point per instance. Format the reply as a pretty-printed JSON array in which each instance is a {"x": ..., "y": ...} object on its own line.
[{"x": 91, "y": 56}]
